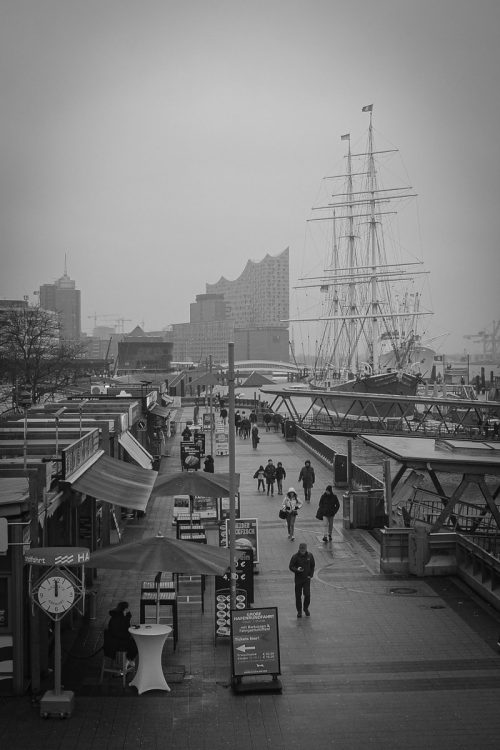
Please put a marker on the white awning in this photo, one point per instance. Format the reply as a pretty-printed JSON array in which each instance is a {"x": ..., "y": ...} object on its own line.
[
  {"x": 160, "y": 411},
  {"x": 135, "y": 450}
]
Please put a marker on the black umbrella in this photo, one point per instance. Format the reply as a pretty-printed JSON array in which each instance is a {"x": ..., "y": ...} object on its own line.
[{"x": 158, "y": 554}]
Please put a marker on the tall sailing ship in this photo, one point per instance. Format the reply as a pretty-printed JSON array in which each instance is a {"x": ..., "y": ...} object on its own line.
[{"x": 371, "y": 297}]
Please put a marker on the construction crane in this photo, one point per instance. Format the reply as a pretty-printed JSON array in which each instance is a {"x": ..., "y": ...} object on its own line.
[
  {"x": 490, "y": 340},
  {"x": 95, "y": 317},
  {"x": 120, "y": 323},
  {"x": 117, "y": 321}
]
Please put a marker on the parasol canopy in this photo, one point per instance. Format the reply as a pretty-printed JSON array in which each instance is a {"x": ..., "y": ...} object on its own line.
[
  {"x": 195, "y": 483},
  {"x": 256, "y": 379},
  {"x": 161, "y": 554}
]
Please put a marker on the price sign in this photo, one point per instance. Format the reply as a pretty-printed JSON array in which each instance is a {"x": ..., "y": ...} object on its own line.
[{"x": 223, "y": 606}]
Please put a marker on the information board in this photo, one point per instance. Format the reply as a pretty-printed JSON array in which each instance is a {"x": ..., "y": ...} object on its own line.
[
  {"x": 199, "y": 441},
  {"x": 255, "y": 642},
  {"x": 221, "y": 444}
]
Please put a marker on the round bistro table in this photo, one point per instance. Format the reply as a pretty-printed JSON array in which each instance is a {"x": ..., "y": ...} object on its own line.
[{"x": 150, "y": 640}]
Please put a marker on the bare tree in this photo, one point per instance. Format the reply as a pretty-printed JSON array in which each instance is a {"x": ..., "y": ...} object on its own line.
[{"x": 32, "y": 355}]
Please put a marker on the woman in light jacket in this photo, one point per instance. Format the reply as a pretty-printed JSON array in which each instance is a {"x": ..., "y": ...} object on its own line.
[{"x": 291, "y": 505}]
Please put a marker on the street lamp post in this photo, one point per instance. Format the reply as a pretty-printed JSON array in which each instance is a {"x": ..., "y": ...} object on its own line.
[
  {"x": 25, "y": 401},
  {"x": 57, "y": 417},
  {"x": 211, "y": 411},
  {"x": 80, "y": 409},
  {"x": 232, "y": 477}
]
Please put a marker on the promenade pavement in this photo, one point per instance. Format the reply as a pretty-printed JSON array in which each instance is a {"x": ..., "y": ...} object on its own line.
[{"x": 383, "y": 662}]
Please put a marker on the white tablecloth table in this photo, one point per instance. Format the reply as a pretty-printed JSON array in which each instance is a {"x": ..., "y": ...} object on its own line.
[{"x": 150, "y": 640}]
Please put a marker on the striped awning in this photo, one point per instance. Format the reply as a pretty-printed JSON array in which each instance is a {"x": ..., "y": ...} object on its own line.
[{"x": 117, "y": 482}]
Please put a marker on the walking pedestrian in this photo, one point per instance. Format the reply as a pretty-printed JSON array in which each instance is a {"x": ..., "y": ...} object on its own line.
[
  {"x": 270, "y": 473},
  {"x": 208, "y": 465},
  {"x": 260, "y": 477},
  {"x": 280, "y": 476},
  {"x": 255, "y": 437},
  {"x": 291, "y": 505},
  {"x": 267, "y": 421},
  {"x": 302, "y": 564},
  {"x": 328, "y": 508},
  {"x": 244, "y": 427},
  {"x": 307, "y": 477},
  {"x": 223, "y": 414}
]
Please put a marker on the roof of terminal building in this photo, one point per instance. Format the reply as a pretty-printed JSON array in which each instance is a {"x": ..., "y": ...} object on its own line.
[{"x": 446, "y": 455}]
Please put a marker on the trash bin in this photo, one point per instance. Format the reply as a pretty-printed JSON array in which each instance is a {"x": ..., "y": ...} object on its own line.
[{"x": 290, "y": 430}]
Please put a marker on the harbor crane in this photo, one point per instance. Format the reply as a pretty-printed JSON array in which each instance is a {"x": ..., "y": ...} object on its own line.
[{"x": 490, "y": 340}]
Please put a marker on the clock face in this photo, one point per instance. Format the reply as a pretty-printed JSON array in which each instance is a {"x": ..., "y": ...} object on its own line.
[{"x": 56, "y": 594}]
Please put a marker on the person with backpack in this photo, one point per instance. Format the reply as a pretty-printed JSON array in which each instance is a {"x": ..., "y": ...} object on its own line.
[
  {"x": 270, "y": 474},
  {"x": 260, "y": 477},
  {"x": 280, "y": 476},
  {"x": 328, "y": 508}
]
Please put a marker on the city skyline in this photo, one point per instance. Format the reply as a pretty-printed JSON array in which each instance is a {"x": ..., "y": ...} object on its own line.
[{"x": 161, "y": 146}]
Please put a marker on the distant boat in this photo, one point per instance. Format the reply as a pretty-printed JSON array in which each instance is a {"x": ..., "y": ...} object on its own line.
[{"x": 371, "y": 302}]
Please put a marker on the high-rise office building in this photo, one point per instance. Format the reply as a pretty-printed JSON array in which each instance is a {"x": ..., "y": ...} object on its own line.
[{"x": 63, "y": 298}]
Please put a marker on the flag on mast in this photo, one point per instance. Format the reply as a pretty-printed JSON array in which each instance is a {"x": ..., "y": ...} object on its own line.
[
  {"x": 368, "y": 108},
  {"x": 345, "y": 137}
]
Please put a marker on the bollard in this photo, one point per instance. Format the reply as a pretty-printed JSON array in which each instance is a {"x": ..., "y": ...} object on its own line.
[{"x": 91, "y": 607}]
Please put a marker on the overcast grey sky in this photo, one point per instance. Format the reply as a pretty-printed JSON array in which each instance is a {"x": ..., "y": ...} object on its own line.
[{"x": 162, "y": 144}]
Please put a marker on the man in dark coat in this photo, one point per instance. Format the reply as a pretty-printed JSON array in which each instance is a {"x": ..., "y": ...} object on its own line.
[
  {"x": 117, "y": 637},
  {"x": 327, "y": 510},
  {"x": 307, "y": 477},
  {"x": 302, "y": 564},
  {"x": 270, "y": 474}
]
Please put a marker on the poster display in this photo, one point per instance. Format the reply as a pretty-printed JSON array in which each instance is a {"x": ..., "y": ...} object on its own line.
[
  {"x": 190, "y": 455},
  {"x": 247, "y": 535},
  {"x": 221, "y": 443}
]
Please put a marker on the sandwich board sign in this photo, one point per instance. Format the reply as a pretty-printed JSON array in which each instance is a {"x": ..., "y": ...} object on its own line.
[{"x": 255, "y": 648}]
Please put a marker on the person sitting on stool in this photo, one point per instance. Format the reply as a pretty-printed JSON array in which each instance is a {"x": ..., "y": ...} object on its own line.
[{"x": 118, "y": 637}]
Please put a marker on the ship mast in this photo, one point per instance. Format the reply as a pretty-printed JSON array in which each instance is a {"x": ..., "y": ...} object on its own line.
[{"x": 373, "y": 251}]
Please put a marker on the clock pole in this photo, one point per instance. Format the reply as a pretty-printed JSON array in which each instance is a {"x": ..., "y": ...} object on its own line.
[{"x": 57, "y": 590}]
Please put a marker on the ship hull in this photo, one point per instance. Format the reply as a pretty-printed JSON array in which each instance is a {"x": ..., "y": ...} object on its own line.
[{"x": 387, "y": 384}]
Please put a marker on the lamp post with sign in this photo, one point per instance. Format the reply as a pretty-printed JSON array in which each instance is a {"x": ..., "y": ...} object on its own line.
[
  {"x": 80, "y": 409},
  {"x": 57, "y": 416},
  {"x": 25, "y": 400}
]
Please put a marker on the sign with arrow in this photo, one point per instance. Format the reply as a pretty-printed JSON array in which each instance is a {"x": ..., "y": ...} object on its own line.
[{"x": 255, "y": 642}]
